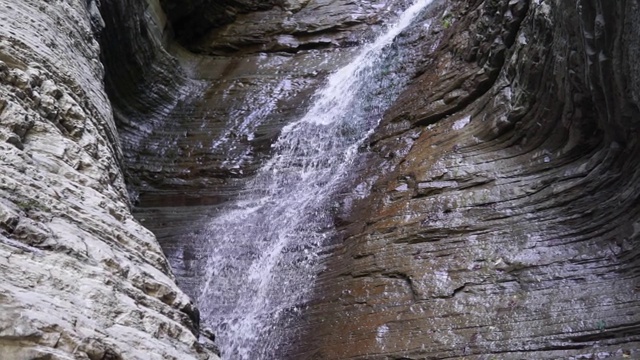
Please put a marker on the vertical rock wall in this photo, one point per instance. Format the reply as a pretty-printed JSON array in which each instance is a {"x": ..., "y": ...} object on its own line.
[
  {"x": 503, "y": 221},
  {"x": 196, "y": 124},
  {"x": 80, "y": 277}
]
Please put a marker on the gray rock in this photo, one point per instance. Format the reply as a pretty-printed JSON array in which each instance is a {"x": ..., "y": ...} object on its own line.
[
  {"x": 81, "y": 278},
  {"x": 502, "y": 222}
]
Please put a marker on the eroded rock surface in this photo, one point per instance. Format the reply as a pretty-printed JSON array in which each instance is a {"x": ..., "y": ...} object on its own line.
[
  {"x": 504, "y": 223},
  {"x": 195, "y": 127},
  {"x": 81, "y": 278},
  {"x": 503, "y": 213},
  {"x": 503, "y": 216},
  {"x": 219, "y": 27}
]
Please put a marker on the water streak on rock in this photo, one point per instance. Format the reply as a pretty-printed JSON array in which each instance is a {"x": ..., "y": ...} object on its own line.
[{"x": 263, "y": 249}]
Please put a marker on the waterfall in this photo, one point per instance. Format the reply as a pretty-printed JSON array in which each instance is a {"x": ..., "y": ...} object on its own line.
[{"x": 263, "y": 248}]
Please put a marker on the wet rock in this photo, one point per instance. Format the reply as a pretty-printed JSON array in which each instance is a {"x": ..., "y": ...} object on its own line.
[
  {"x": 514, "y": 233},
  {"x": 80, "y": 276},
  {"x": 253, "y": 26},
  {"x": 194, "y": 127},
  {"x": 193, "y": 18},
  {"x": 502, "y": 220},
  {"x": 209, "y": 341}
]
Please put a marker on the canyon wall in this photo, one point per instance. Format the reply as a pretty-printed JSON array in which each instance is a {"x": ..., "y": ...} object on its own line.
[
  {"x": 503, "y": 218},
  {"x": 197, "y": 122},
  {"x": 81, "y": 278}
]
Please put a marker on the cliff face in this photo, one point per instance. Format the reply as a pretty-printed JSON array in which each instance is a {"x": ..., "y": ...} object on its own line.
[
  {"x": 192, "y": 141},
  {"x": 503, "y": 214},
  {"x": 502, "y": 220},
  {"x": 196, "y": 121},
  {"x": 506, "y": 223},
  {"x": 81, "y": 278}
]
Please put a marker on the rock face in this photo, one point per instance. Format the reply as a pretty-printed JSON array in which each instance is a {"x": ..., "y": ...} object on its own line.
[
  {"x": 508, "y": 227},
  {"x": 502, "y": 221},
  {"x": 503, "y": 215},
  {"x": 81, "y": 278},
  {"x": 191, "y": 124},
  {"x": 194, "y": 127},
  {"x": 228, "y": 26}
]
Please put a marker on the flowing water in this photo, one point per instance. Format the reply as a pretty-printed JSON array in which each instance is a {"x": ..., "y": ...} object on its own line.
[{"x": 263, "y": 248}]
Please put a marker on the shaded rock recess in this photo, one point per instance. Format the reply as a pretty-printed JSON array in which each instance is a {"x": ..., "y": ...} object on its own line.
[{"x": 80, "y": 278}]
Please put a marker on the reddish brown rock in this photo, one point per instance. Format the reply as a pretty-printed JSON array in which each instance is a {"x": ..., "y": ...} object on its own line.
[
  {"x": 508, "y": 228},
  {"x": 503, "y": 219}
]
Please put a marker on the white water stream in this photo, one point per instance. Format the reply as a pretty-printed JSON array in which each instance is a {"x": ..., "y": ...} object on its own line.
[{"x": 263, "y": 247}]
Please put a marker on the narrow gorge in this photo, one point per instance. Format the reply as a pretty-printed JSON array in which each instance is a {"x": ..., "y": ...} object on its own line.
[{"x": 319, "y": 179}]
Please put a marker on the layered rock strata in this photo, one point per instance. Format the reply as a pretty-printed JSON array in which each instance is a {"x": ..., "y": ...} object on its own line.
[
  {"x": 225, "y": 27},
  {"x": 191, "y": 124},
  {"x": 81, "y": 278},
  {"x": 505, "y": 222},
  {"x": 503, "y": 216},
  {"x": 197, "y": 118}
]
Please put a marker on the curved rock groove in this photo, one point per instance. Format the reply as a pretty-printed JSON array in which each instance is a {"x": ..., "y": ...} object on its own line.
[
  {"x": 79, "y": 276},
  {"x": 495, "y": 215},
  {"x": 509, "y": 227}
]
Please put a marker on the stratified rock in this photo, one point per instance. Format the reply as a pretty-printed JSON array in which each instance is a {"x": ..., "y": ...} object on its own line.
[
  {"x": 503, "y": 220},
  {"x": 195, "y": 127},
  {"x": 232, "y": 25},
  {"x": 80, "y": 277},
  {"x": 314, "y": 24},
  {"x": 503, "y": 216},
  {"x": 193, "y": 18},
  {"x": 190, "y": 124}
]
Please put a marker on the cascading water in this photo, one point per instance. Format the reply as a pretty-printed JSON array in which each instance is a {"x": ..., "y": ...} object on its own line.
[{"x": 263, "y": 248}]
